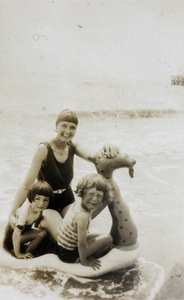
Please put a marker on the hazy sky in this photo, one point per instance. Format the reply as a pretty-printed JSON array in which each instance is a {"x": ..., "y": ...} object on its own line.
[{"x": 46, "y": 40}]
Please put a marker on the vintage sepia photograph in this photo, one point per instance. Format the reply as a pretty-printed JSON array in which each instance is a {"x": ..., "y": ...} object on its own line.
[{"x": 92, "y": 140}]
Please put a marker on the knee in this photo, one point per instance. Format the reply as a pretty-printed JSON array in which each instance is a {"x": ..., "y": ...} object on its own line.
[
  {"x": 110, "y": 239},
  {"x": 42, "y": 234},
  {"x": 42, "y": 224}
]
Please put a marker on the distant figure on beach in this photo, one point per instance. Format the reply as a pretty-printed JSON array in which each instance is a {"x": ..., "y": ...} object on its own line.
[
  {"x": 74, "y": 242},
  {"x": 30, "y": 213},
  {"x": 53, "y": 162}
]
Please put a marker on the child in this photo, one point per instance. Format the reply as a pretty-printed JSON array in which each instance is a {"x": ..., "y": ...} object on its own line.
[
  {"x": 74, "y": 242},
  {"x": 39, "y": 195}
]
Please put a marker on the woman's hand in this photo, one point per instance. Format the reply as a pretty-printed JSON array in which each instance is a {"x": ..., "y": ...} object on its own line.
[{"x": 110, "y": 150}]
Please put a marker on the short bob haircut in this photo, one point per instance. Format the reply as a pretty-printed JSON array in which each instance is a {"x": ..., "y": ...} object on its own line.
[
  {"x": 40, "y": 188},
  {"x": 67, "y": 115},
  {"x": 94, "y": 181}
]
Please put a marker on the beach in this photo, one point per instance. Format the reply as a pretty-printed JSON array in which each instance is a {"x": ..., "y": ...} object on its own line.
[
  {"x": 154, "y": 137},
  {"x": 112, "y": 62}
]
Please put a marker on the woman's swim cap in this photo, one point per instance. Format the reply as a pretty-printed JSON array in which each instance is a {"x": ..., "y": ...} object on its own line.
[{"x": 68, "y": 116}]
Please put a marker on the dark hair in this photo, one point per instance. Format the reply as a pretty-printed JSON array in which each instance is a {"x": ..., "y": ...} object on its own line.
[
  {"x": 40, "y": 188},
  {"x": 94, "y": 180},
  {"x": 68, "y": 116}
]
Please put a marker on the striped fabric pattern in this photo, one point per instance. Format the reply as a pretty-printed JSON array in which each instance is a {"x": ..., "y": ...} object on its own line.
[{"x": 67, "y": 235}]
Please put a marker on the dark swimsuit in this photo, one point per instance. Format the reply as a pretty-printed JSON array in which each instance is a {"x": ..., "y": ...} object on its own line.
[
  {"x": 8, "y": 236},
  {"x": 59, "y": 176}
]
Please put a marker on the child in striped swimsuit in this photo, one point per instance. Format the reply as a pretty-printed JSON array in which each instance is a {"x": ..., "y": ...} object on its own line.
[{"x": 74, "y": 242}]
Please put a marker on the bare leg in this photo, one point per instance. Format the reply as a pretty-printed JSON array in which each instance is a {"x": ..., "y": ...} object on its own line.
[
  {"x": 98, "y": 245},
  {"x": 51, "y": 222},
  {"x": 35, "y": 237},
  {"x": 64, "y": 210}
]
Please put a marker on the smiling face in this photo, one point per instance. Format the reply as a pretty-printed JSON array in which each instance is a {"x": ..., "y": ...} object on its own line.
[
  {"x": 66, "y": 131},
  {"x": 40, "y": 203},
  {"x": 92, "y": 198}
]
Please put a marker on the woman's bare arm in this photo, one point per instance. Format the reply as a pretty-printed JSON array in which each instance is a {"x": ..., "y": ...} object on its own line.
[
  {"x": 38, "y": 158},
  {"x": 108, "y": 150}
]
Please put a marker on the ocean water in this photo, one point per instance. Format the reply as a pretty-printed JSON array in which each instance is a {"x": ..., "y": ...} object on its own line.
[{"x": 153, "y": 135}]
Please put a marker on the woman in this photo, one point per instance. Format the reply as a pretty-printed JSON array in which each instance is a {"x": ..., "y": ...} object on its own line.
[{"x": 53, "y": 162}]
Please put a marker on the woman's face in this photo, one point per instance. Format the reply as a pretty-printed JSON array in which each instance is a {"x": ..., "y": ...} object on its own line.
[{"x": 66, "y": 131}]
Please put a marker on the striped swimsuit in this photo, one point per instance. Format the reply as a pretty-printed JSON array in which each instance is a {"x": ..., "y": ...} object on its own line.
[
  {"x": 67, "y": 249},
  {"x": 67, "y": 235}
]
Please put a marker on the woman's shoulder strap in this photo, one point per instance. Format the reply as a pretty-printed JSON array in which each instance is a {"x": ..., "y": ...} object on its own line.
[{"x": 71, "y": 146}]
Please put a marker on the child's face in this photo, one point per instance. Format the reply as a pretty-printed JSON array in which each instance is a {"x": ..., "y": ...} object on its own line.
[
  {"x": 92, "y": 198},
  {"x": 66, "y": 131},
  {"x": 40, "y": 203}
]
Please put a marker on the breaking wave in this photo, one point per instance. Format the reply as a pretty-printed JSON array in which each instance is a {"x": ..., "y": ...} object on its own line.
[{"x": 128, "y": 114}]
